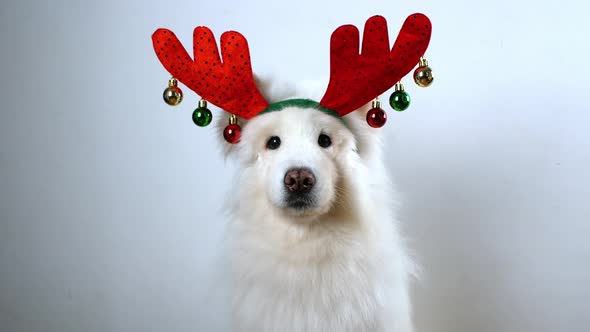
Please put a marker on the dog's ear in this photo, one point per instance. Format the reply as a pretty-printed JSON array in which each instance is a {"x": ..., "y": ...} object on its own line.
[
  {"x": 273, "y": 89},
  {"x": 368, "y": 139}
]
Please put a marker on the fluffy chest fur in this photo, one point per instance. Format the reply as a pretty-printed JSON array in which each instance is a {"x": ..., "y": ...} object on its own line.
[{"x": 330, "y": 280}]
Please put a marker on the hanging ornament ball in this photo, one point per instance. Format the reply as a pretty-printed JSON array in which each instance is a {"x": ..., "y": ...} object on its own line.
[
  {"x": 172, "y": 95},
  {"x": 232, "y": 133},
  {"x": 376, "y": 117},
  {"x": 399, "y": 99},
  {"x": 423, "y": 74},
  {"x": 202, "y": 117}
]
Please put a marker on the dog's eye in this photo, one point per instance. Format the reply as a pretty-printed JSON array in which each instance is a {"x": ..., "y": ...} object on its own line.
[
  {"x": 324, "y": 141},
  {"x": 273, "y": 143}
]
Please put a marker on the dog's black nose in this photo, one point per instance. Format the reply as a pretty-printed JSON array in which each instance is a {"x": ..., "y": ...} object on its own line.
[{"x": 299, "y": 180}]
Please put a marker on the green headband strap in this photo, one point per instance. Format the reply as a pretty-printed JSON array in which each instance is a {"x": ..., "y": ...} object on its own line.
[{"x": 302, "y": 103}]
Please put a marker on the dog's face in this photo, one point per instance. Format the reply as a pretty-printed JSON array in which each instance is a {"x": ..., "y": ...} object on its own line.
[{"x": 293, "y": 158}]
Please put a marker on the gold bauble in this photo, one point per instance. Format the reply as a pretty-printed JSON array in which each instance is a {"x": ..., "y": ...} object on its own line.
[
  {"x": 423, "y": 76},
  {"x": 172, "y": 95}
]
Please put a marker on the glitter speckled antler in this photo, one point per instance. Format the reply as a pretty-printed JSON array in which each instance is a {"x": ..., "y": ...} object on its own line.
[
  {"x": 356, "y": 79},
  {"x": 229, "y": 84}
]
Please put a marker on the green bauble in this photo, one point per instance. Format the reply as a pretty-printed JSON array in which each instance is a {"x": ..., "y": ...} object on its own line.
[
  {"x": 202, "y": 116},
  {"x": 399, "y": 100}
]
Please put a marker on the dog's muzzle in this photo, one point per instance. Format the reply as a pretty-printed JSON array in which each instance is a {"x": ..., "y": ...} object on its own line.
[{"x": 299, "y": 183}]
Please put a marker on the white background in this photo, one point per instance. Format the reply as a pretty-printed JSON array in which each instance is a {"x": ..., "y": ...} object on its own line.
[{"x": 110, "y": 200}]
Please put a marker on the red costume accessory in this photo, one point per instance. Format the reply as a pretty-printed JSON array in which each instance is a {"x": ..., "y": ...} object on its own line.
[{"x": 224, "y": 76}]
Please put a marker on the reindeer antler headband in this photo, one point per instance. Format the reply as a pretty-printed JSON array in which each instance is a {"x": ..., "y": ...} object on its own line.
[{"x": 355, "y": 79}]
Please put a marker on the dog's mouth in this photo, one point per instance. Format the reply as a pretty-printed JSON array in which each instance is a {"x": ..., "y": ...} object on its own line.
[{"x": 300, "y": 201}]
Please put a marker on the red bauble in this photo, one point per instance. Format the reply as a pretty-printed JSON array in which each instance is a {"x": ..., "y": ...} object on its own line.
[
  {"x": 232, "y": 133},
  {"x": 376, "y": 117}
]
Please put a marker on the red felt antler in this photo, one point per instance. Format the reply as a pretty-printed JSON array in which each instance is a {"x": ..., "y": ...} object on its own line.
[
  {"x": 229, "y": 84},
  {"x": 356, "y": 79}
]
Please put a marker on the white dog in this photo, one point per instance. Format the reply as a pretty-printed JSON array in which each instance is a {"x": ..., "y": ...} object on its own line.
[{"x": 313, "y": 244}]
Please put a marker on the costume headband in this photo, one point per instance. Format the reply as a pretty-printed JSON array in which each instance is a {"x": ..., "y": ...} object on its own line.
[{"x": 223, "y": 76}]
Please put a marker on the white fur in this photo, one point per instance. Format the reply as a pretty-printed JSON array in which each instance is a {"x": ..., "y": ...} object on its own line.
[{"x": 340, "y": 266}]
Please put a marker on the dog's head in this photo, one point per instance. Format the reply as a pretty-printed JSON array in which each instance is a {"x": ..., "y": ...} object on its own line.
[{"x": 291, "y": 160}]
